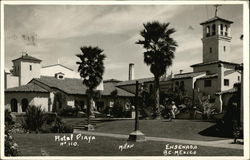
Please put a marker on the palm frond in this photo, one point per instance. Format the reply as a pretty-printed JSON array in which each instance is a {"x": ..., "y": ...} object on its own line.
[{"x": 160, "y": 46}]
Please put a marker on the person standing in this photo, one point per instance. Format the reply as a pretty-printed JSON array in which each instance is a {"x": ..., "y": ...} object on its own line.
[{"x": 173, "y": 109}]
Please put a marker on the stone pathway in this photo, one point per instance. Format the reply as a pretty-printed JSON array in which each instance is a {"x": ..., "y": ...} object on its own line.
[{"x": 218, "y": 144}]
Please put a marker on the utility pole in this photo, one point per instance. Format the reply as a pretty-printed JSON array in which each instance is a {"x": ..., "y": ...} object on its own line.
[
  {"x": 136, "y": 135},
  {"x": 136, "y": 106}
]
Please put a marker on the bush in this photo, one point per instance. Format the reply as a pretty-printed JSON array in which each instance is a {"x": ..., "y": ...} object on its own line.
[
  {"x": 117, "y": 112},
  {"x": 17, "y": 128},
  {"x": 59, "y": 127},
  {"x": 11, "y": 148},
  {"x": 50, "y": 117},
  {"x": 34, "y": 118},
  {"x": 69, "y": 111},
  {"x": 9, "y": 118}
]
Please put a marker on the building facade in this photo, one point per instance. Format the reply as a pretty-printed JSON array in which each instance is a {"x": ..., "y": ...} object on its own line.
[
  {"x": 213, "y": 76},
  {"x": 54, "y": 87}
]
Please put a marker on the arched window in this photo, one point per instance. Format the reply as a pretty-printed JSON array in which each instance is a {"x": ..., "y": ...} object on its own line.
[
  {"x": 13, "y": 105},
  {"x": 25, "y": 104},
  {"x": 226, "y": 30},
  {"x": 208, "y": 31},
  {"x": 221, "y": 29},
  {"x": 182, "y": 86},
  {"x": 213, "y": 29}
]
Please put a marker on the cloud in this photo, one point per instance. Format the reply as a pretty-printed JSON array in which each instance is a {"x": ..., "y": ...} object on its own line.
[{"x": 61, "y": 29}]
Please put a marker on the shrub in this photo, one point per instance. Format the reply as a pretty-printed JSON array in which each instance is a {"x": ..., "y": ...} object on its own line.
[
  {"x": 9, "y": 118},
  {"x": 34, "y": 119},
  {"x": 10, "y": 147},
  {"x": 50, "y": 117},
  {"x": 59, "y": 127},
  {"x": 68, "y": 111},
  {"x": 117, "y": 110}
]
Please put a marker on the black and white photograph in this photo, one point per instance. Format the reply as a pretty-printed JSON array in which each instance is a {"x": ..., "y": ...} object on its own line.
[{"x": 132, "y": 79}]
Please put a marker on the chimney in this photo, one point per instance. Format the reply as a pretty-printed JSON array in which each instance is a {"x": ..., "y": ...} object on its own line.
[
  {"x": 181, "y": 71},
  {"x": 131, "y": 71}
]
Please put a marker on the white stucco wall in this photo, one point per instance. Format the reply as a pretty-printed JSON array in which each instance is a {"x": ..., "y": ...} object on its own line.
[
  {"x": 70, "y": 101},
  {"x": 207, "y": 90},
  {"x": 52, "y": 70},
  {"x": 38, "y": 99},
  {"x": 27, "y": 74},
  {"x": 41, "y": 101},
  {"x": 212, "y": 68},
  {"x": 11, "y": 81},
  {"x": 233, "y": 78}
]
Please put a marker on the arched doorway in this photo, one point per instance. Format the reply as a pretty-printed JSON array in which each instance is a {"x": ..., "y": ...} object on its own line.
[
  {"x": 13, "y": 105},
  {"x": 25, "y": 104}
]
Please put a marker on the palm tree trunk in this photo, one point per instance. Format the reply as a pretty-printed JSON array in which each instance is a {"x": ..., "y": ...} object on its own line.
[
  {"x": 156, "y": 109},
  {"x": 88, "y": 109},
  {"x": 91, "y": 107}
]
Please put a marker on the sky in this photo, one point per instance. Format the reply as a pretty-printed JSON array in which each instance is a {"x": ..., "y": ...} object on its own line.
[{"x": 55, "y": 33}]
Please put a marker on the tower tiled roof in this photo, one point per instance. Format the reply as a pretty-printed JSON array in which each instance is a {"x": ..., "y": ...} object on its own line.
[
  {"x": 216, "y": 18},
  {"x": 214, "y": 62},
  {"x": 27, "y": 57}
]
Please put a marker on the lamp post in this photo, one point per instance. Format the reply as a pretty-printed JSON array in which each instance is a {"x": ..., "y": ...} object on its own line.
[{"x": 136, "y": 135}]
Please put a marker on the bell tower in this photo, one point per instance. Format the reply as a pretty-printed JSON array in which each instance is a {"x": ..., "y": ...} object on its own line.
[
  {"x": 216, "y": 39},
  {"x": 26, "y": 68}
]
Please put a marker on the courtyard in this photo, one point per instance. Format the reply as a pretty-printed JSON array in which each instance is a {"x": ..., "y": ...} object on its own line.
[{"x": 110, "y": 139}]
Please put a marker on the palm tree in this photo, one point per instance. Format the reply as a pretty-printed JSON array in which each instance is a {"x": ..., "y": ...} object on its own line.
[
  {"x": 160, "y": 49},
  {"x": 91, "y": 69}
]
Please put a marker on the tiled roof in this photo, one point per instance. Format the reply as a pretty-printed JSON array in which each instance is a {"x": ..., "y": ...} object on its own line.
[
  {"x": 67, "y": 85},
  {"x": 209, "y": 76},
  {"x": 227, "y": 72},
  {"x": 110, "y": 87},
  {"x": 27, "y": 57},
  {"x": 151, "y": 79},
  {"x": 130, "y": 82},
  {"x": 57, "y": 65},
  {"x": 216, "y": 18},
  {"x": 112, "y": 80},
  {"x": 232, "y": 90},
  {"x": 187, "y": 75},
  {"x": 75, "y": 86},
  {"x": 27, "y": 88},
  {"x": 214, "y": 62}
]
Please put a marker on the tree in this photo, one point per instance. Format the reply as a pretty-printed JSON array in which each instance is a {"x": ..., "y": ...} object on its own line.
[
  {"x": 91, "y": 69},
  {"x": 160, "y": 49}
]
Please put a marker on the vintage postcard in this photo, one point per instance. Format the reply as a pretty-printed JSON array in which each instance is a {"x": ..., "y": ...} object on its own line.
[{"x": 125, "y": 79}]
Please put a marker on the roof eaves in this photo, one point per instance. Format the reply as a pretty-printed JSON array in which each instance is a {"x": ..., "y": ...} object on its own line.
[
  {"x": 214, "y": 62},
  {"x": 56, "y": 65},
  {"x": 214, "y": 19},
  {"x": 209, "y": 76}
]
